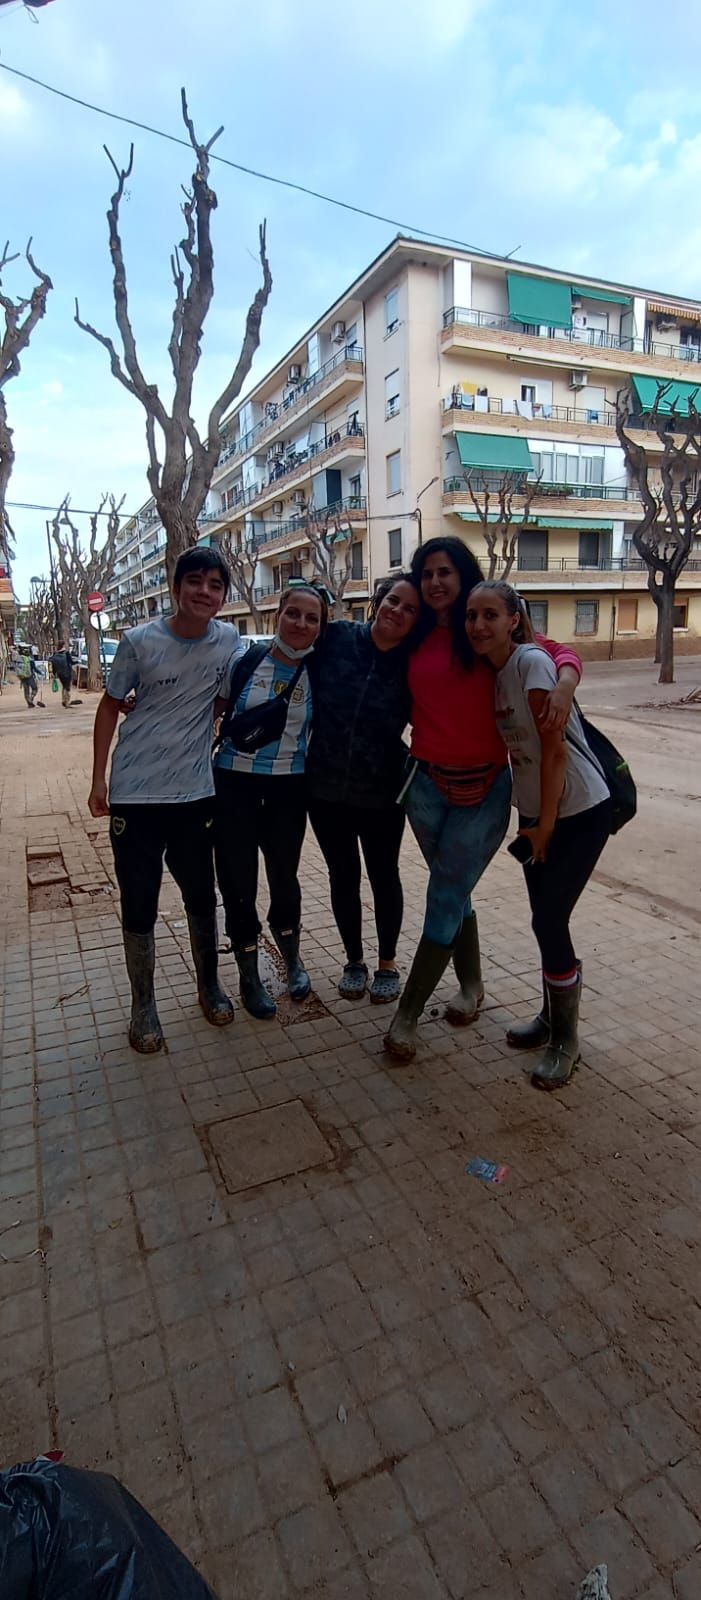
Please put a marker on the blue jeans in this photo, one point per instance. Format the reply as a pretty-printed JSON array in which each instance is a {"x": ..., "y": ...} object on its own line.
[{"x": 457, "y": 842}]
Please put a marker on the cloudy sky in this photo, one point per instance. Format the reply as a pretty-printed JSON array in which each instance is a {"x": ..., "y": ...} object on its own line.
[{"x": 571, "y": 132}]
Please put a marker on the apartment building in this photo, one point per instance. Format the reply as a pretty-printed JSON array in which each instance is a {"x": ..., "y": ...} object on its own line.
[{"x": 437, "y": 372}]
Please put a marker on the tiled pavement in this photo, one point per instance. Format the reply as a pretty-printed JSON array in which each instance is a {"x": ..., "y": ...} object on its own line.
[{"x": 375, "y": 1378}]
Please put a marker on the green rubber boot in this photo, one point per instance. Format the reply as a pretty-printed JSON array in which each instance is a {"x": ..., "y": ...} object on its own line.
[
  {"x": 535, "y": 1034},
  {"x": 145, "y": 1031},
  {"x": 464, "y": 1005},
  {"x": 204, "y": 943},
  {"x": 561, "y": 1055},
  {"x": 254, "y": 996},
  {"x": 427, "y": 969},
  {"x": 298, "y": 981}
]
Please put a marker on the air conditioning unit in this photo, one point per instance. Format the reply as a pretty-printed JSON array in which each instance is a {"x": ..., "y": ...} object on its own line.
[
  {"x": 579, "y": 380},
  {"x": 294, "y": 373},
  {"x": 298, "y": 497},
  {"x": 278, "y": 508},
  {"x": 338, "y": 332}
]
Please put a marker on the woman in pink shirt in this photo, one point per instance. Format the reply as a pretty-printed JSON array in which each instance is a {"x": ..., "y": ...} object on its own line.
[{"x": 460, "y": 795}]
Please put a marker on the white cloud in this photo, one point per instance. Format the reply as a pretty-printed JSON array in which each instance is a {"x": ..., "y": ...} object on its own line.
[{"x": 15, "y": 111}]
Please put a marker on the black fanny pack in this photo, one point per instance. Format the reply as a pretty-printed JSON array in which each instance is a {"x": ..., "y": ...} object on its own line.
[{"x": 257, "y": 726}]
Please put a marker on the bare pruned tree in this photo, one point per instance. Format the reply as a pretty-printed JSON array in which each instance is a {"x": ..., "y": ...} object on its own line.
[
  {"x": 330, "y": 543},
  {"x": 39, "y": 617},
  {"x": 20, "y": 319},
  {"x": 501, "y": 520},
  {"x": 83, "y": 571},
  {"x": 243, "y": 565},
  {"x": 181, "y": 481},
  {"x": 669, "y": 485}
]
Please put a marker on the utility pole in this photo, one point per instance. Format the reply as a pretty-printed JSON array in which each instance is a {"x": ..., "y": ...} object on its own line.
[{"x": 417, "y": 514}]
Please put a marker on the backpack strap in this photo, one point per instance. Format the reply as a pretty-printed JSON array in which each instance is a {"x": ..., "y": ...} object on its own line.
[{"x": 244, "y": 669}]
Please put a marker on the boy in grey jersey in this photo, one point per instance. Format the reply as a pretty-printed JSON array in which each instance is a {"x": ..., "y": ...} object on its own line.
[{"x": 161, "y": 792}]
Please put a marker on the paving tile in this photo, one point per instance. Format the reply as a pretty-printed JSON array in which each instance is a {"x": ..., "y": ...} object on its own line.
[
  {"x": 313, "y": 1544},
  {"x": 404, "y": 1569},
  {"x": 375, "y": 1512}
]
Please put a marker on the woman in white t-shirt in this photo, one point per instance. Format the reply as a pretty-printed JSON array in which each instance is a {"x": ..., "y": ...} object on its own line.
[{"x": 564, "y": 811}]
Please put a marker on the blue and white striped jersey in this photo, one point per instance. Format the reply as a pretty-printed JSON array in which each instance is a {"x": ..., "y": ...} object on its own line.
[{"x": 288, "y": 753}]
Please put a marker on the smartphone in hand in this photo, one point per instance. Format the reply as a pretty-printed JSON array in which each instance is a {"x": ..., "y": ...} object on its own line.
[{"x": 521, "y": 849}]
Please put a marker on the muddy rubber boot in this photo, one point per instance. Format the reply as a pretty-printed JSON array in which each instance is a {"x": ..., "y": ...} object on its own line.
[
  {"x": 562, "y": 1053},
  {"x": 145, "y": 1031},
  {"x": 298, "y": 981},
  {"x": 204, "y": 943},
  {"x": 254, "y": 996},
  {"x": 464, "y": 1005},
  {"x": 535, "y": 1034},
  {"x": 427, "y": 969}
]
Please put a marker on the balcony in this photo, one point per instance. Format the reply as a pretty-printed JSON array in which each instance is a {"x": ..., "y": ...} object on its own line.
[
  {"x": 600, "y": 498},
  {"x": 611, "y": 574},
  {"x": 466, "y": 327},
  {"x": 289, "y": 535},
  {"x": 357, "y": 585},
  {"x": 341, "y": 374},
  {"x": 294, "y": 470},
  {"x": 460, "y": 410}
]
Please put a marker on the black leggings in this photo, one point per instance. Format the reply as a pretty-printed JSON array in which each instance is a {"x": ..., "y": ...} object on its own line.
[
  {"x": 340, "y": 829},
  {"x": 554, "y": 885},
  {"x": 255, "y": 812},
  {"x": 141, "y": 836}
]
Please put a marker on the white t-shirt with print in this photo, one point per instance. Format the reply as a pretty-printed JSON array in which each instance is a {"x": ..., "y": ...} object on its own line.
[
  {"x": 530, "y": 668},
  {"x": 164, "y": 751}
]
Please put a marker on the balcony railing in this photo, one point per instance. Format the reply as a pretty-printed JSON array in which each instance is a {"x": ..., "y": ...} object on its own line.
[
  {"x": 530, "y": 410},
  {"x": 466, "y": 316},
  {"x": 316, "y": 514},
  {"x": 277, "y": 409},
  {"x": 606, "y": 564},
  {"x": 285, "y": 465},
  {"x": 556, "y": 491}
]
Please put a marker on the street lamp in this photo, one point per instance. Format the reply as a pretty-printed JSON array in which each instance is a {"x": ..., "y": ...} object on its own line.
[{"x": 417, "y": 513}]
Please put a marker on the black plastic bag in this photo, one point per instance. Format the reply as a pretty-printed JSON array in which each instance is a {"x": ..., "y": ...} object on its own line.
[{"x": 66, "y": 1534}]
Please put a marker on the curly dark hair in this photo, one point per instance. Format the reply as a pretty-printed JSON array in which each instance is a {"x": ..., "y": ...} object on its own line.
[
  {"x": 469, "y": 573},
  {"x": 384, "y": 586}
]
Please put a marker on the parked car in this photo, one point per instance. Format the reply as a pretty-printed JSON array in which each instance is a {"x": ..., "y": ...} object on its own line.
[{"x": 81, "y": 668}]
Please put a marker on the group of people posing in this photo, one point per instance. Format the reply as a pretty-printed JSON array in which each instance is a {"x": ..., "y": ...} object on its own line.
[{"x": 312, "y": 728}]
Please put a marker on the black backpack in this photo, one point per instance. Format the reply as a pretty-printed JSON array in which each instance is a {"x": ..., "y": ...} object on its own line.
[
  {"x": 250, "y": 730},
  {"x": 614, "y": 769}
]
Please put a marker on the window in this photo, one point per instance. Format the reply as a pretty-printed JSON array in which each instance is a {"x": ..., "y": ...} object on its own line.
[
  {"x": 392, "y": 393},
  {"x": 593, "y": 548},
  {"x": 354, "y": 487},
  {"x": 395, "y": 547},
  {"x": 528, "y": 392},
  {"x": 357, "y": 613},
  {"x": 394, "y": 472},
  {"x": 627, "y": 615},
  {"x": 242, "y": 626},
  {"x": 539, "y": 615},
  {"x": 586, "y": 617},
  {"x": 351, "y": 336},
  {"x": 679, "y": 614},
  {"x": 356, "y": 560},
  {"x": 391, "y": 311},
  {"x": 532, "y": 551}
]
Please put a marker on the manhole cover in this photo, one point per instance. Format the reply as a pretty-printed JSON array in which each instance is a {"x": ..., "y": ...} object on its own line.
[{"x": 268, "y": 1144}]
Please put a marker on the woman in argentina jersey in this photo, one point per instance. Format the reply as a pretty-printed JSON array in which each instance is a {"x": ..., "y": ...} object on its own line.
[{"x": 262, "y": 804}]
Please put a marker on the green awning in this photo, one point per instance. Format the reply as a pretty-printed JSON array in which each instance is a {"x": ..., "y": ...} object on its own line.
[
  {"x": 495, "y": 452},
  {"x": 677, "y": 395},
  {"x": 584, "y": 291},
  {"x": 546, "y": 522},
  {"x": 539, "y": 300}
]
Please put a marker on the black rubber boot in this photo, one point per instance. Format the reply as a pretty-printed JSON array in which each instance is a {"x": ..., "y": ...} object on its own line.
[
  {"x": 427, "y": 969},
  {"x": 145, "y": 1031},
  {"x": 253, "y": 995},
  {"x": 464, "y": 1005},
  {"x": 298, "y": 981},
  {"x": 204, "y": 943},
  {"x": 562, "y": 1053},
  {"x": 535, "y": 1034}
]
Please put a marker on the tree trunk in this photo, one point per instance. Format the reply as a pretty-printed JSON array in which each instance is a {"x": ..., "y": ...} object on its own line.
[
  {"x": 92, "y": 645},
  {"x": 181, "y": 535},
  {"x": 658, "y": 637},
  {"x": 665, "y": 631}
]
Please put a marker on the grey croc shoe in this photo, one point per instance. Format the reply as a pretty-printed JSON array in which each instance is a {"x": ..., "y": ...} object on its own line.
[
  {"x": 354, "y": 980},
  {"x": 384, "y": 988}
]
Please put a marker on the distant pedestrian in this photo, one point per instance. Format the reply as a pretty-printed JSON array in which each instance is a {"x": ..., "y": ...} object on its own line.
[
  {"x": 27, "y": 672},
  {"x": 62, "y": 668}
]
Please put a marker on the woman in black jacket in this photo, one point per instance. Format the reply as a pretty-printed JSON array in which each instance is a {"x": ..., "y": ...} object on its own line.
[{"x": 355, "y": 771}]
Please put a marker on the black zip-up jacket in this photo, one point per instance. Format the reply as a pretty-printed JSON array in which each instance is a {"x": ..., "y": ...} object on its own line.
[{"x": 361, "y": 707}]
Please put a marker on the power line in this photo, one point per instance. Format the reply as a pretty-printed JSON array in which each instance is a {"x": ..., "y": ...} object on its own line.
[{"x": 251, "y": 172}]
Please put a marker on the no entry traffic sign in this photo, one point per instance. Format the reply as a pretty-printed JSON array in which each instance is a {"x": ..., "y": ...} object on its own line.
[{"x": 95, "y": 601}]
